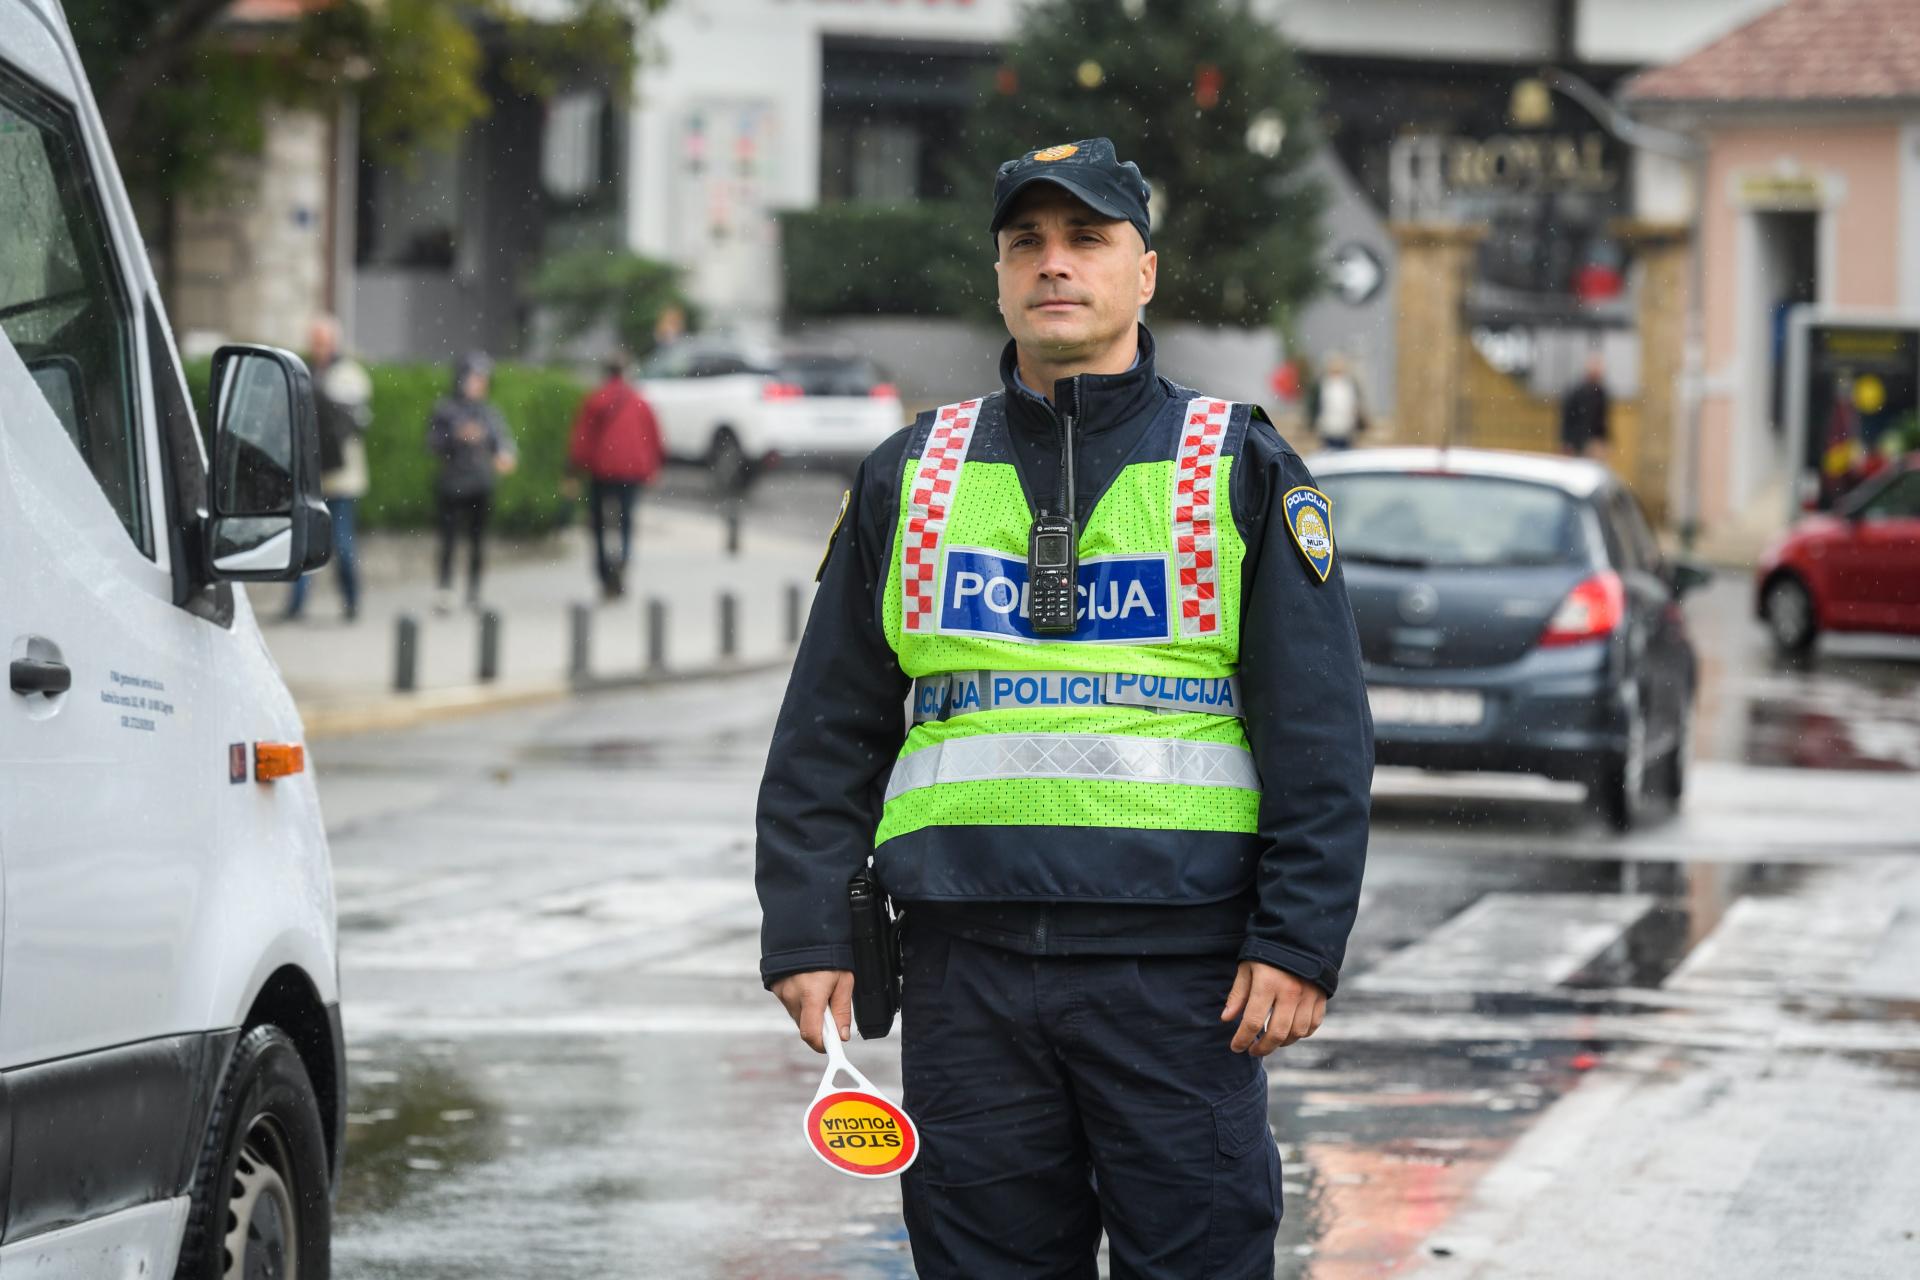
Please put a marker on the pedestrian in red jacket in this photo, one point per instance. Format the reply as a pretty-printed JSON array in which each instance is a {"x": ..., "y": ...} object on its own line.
[{"x": 616, "y": 446}]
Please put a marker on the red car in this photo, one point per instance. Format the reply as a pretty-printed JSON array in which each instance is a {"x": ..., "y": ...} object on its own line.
[{"x": 1855, "y": 568}]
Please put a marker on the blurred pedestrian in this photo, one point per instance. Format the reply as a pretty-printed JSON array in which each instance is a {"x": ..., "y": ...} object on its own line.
[
  {"x": 475, "y": 448},
  {"x": 616, "y": 446},
  {"x": 1583, "y": 413},
  {"x": 343, "y": 399},
  {"x": 1335, "y": 408}
]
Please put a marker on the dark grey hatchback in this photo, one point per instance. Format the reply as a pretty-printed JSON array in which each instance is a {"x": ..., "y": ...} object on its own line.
[{"x": 1516, "y": 614}]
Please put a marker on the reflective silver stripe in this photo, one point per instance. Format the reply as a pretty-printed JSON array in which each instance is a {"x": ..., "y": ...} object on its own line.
[
  {"x": 1077, "y": 756},
  {"x": 956, "y": 693}
]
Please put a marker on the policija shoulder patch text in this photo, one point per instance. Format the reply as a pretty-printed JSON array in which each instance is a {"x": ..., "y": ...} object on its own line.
[{"x": 1309, "y": 515}]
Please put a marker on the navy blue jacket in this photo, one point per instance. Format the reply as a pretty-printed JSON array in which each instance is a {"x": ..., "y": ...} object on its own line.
[{"x": 843, "y": 721}]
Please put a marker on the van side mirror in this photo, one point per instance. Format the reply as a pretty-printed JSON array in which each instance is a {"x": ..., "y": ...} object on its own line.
[{"x": 268, "y": 522}]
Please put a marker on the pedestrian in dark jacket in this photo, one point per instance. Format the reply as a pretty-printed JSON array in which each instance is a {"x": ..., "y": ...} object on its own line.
[
  {"x": 1583, "y": 413},
  {"x": 616, "y": 446},
  {"x": 475, "y": 448}
]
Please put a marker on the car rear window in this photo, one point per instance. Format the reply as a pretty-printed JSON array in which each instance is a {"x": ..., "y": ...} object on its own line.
[
  {"x": 830, "y": 375},
  {"x": 1439, "y": 520}
]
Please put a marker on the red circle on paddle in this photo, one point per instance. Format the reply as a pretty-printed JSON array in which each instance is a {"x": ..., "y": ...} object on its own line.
[{"x": 862, "y": 1134}]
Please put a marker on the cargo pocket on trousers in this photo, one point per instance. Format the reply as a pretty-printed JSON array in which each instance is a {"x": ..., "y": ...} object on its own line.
[{"x": 1246, "y": 1184}]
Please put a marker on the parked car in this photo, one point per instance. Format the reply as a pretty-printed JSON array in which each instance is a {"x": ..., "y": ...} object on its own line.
[
  {"x": 1856, "y": 568},
  {"x": 172, "y": 1079},
  {"x": 741, "y": 410},
  {"x": 1516, "y": 614}
]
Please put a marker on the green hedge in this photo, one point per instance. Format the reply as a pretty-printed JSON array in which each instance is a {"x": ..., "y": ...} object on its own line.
[
  {"x": 930, "y": 259},
  {"x": 539, "y": 405}
]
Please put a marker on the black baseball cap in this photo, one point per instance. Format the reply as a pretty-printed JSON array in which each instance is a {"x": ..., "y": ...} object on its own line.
[{"x": 1087, "y": 169}]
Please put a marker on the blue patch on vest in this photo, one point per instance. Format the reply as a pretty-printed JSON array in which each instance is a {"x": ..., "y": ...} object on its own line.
[{"x": 1123, "y": 599}]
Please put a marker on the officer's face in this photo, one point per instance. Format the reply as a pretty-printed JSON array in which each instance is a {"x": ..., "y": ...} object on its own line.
[{"x": 1071, "y": 281}]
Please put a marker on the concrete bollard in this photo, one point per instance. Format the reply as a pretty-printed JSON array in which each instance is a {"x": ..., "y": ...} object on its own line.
[
  {"x": 489, "y": 646},
  {"x": 579, "y": 637},
  {"x": 656, "y": 635},
  {"x": 793, "y": 613},
  {"x": 406, "y": 653},
  {"x": 729, "y": 626}
]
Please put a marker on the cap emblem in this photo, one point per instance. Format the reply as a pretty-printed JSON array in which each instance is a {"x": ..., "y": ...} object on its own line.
[{"x": 1060, "y": 152}]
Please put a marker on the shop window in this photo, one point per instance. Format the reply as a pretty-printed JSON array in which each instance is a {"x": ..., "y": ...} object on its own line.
[{"x": 410, "y": 212}]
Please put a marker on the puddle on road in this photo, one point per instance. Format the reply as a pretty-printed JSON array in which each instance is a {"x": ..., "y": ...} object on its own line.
[
  {"x": 1382, "y": 1142},
  {"x": 602, "y": 1158},
  {"x": 615, "y": 1157},
  {"x": 410, "y": 1117},
  {"x": 1835, "y": 711},
  {"x": 1881, "y": 735}
]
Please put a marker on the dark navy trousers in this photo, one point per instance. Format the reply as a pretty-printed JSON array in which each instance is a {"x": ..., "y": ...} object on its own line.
[{"x": 1057, "y": 1096}]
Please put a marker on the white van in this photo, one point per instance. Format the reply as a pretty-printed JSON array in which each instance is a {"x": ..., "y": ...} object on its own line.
[{"x": 171, "y": 1067}]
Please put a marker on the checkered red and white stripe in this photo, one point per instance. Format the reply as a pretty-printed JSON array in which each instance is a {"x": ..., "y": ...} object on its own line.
[
  {"x": 928, "y": 501},
  {"x": 1196, "y": 545}
]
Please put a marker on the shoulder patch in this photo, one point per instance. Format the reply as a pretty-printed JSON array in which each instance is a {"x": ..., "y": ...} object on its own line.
[
  {"x": 846, "y": 497},
  {"x": 1309, "y": 515}
]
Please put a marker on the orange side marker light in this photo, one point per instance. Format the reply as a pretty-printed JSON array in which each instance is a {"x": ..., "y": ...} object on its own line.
[{"x": 274, "y": 760}]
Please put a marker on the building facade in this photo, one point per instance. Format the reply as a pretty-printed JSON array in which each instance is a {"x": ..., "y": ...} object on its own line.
[
  {"x": 1489, "y": 226},
  {"x": 1806, "y": 193}
]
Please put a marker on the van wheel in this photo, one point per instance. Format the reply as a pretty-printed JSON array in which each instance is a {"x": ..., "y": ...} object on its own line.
[
  {"x": 261, "y": 1204},
  {"x": 1788, "y": 609},
  {"x": 728, "y": 461}
]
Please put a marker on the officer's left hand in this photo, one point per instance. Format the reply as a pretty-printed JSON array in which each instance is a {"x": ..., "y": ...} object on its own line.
[{"x": 1274, "y": 1007}]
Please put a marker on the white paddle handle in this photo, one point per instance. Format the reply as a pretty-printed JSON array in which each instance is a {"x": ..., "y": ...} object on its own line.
[
  {"x": 830, "y": 1036},
  {"x": 837, "y": 1061}
]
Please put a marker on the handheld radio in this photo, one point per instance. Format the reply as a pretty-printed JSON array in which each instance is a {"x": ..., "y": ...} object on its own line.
[
  {"x": 1053, "y": 573},
  {"x": 1053, "y": 553}
]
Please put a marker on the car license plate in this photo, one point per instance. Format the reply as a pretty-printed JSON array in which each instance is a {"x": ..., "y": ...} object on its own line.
[{"x": 1426, "y": 706}]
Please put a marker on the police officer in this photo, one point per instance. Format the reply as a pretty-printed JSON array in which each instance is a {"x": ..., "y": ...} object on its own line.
[{"x": 1129, "y": 851}]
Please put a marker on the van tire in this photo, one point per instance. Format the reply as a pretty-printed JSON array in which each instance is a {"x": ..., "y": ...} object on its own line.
[{"x": 264, "y": 1156}]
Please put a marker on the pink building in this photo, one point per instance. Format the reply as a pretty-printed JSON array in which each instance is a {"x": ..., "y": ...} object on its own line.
[{"x": 1806, "y": 190}]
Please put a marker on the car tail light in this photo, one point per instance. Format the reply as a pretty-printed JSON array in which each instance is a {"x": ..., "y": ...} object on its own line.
[
  {"x": 884, "y": 391},
  {"x": 782, "y": 391},
  {"x": 1591, "y": 610}
]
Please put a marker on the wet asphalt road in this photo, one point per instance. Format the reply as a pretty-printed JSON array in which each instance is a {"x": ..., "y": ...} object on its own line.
[{"x": 563, "y": 1063}]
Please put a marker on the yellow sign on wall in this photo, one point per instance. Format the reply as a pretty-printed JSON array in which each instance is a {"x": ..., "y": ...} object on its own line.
[{"x": 1767, "y": 190}]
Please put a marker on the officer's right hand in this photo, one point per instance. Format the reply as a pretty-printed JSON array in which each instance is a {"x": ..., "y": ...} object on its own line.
[{"x": 807, "y": 995}]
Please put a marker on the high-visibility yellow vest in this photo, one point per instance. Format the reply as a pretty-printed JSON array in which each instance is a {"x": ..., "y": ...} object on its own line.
[{"x": 1132, "y": 723}]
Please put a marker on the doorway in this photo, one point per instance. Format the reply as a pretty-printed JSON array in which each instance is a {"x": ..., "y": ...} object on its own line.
[{"x": 1787, "y": 275}]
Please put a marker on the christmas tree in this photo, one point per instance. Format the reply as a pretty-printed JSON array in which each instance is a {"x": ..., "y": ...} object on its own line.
[{"x": 1211, "y": 103}]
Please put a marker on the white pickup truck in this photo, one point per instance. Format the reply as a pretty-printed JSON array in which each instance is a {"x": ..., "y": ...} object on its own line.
[{"x": 172, "y": 1078}]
